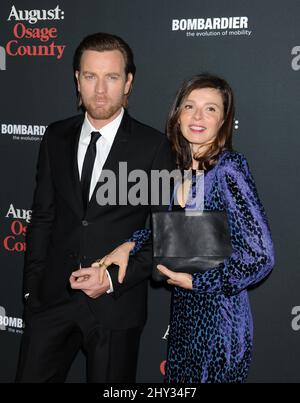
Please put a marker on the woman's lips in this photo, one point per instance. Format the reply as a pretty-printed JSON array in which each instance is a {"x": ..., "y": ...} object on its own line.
[{"x": 197, "y": 129}]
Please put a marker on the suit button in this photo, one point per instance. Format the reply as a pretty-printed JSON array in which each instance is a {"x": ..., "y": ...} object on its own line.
[{"x": 85, "y": 223}]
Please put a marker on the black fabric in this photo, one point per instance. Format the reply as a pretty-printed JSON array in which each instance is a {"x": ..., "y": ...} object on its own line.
[
  {"x": 68, "y": 327},
  {"x": 62, "y": 235},
  {"x": 189, "y": 242},
  {"x": 87, "y": 167}
]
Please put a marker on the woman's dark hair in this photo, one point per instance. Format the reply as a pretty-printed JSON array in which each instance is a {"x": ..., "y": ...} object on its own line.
[
  {"x": 223, "y": 140},
  {"x": 101, "y": 42}
]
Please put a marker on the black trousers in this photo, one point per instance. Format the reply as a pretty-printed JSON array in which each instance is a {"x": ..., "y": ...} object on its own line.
[{"x": 52, "y": 339}]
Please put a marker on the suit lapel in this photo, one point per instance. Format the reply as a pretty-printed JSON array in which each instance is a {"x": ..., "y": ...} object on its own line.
[{"x": 74, "y": 193}]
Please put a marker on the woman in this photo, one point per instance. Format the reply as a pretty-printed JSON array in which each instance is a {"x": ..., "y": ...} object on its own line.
[{"x": 211, "y": 333}]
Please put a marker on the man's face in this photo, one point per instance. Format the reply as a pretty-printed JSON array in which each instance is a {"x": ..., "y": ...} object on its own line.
[{"x": 102, "y": 84}]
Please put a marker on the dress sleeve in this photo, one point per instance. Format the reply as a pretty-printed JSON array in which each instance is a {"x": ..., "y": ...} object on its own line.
[
  {"x": 140, "y": 237},
  {"x": 253, "y": 254}
]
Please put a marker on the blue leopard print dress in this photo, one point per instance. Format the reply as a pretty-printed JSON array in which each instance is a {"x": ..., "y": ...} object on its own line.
[{"x": 211, "y": 330}]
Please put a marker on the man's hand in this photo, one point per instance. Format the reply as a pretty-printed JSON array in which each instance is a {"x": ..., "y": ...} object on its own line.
[
  {"x": 88, "y": 280},
  {"x": 183, "y": 280}
]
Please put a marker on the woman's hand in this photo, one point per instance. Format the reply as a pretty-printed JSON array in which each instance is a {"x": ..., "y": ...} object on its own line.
[
  {"x": 183, "y": 280},
  {"x": 119, "y": 257}
]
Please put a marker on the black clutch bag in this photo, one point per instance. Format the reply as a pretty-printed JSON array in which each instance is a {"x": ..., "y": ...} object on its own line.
[{"x": 189, "y": 242}]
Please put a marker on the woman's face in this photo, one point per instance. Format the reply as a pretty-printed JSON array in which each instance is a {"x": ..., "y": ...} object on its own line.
[{"x": 201, "y": 116}]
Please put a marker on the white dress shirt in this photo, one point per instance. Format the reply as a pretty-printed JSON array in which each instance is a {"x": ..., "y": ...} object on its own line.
[{"x": 103, "y": 146}]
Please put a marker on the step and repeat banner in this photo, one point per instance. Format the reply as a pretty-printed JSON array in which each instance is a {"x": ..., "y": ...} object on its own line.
[{"x": 254, "y": 45}]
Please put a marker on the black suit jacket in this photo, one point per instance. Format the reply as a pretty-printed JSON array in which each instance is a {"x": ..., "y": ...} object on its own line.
[{"x": 62, "y": 235}]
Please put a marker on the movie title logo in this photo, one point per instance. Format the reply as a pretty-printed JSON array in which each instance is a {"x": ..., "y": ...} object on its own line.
[
  {"x": 38, "y": 41},
  {"x": 33, "y": 16},
  {"x": 15, "y": 240}
]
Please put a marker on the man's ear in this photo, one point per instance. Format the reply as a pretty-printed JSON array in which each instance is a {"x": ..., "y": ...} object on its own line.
[
  {"x": 128, "y": 84},
  {"x": 77, "y": 80}
]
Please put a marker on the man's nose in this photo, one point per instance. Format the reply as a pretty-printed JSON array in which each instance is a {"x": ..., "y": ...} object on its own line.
[{"x": 100, "y": 86}]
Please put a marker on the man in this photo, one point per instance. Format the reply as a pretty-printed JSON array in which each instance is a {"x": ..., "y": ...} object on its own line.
[{"x": 67, "y": 308}]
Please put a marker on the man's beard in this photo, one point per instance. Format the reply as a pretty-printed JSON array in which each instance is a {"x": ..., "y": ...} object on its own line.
[{"x": 104, "y": 112}]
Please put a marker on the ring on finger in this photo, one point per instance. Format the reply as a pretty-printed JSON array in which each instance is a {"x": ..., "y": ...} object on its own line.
[{"x": 99, "y": 263}]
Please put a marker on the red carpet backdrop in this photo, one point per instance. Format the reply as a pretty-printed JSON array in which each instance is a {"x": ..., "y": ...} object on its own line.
[{"x": 254, "y": 44}]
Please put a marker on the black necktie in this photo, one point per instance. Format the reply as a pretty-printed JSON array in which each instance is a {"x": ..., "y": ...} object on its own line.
[{"x": 87, "y": 167}]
